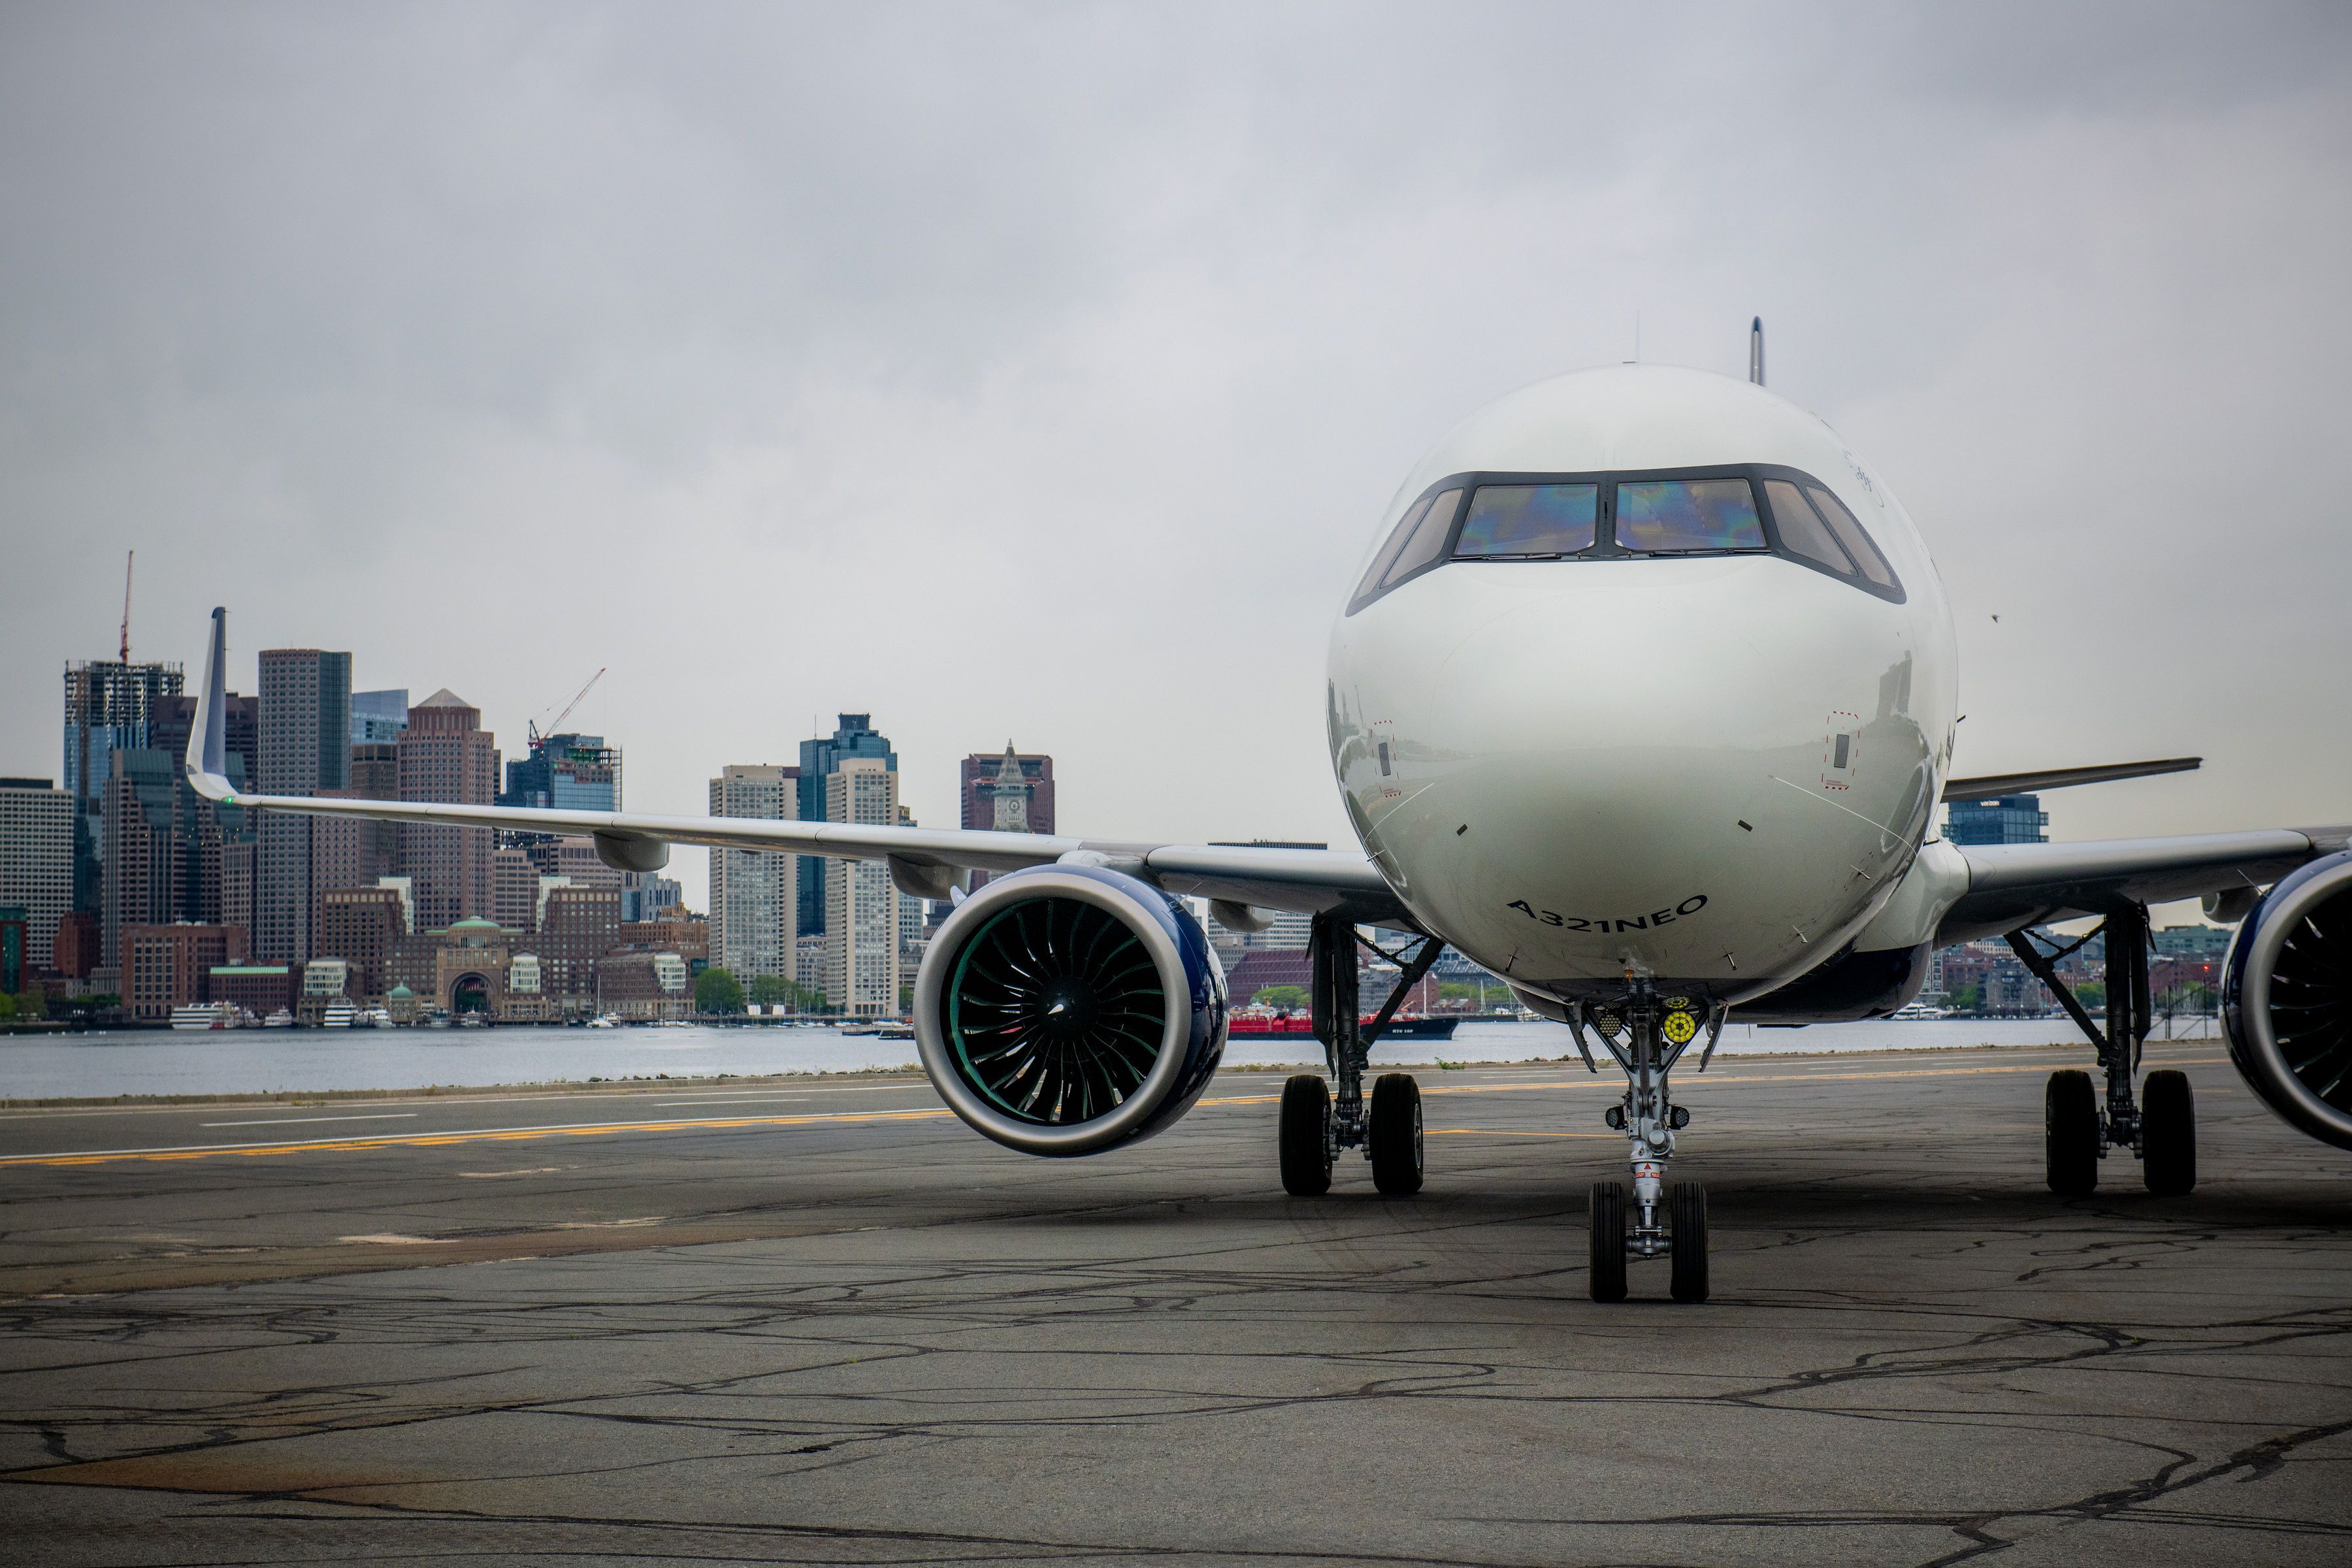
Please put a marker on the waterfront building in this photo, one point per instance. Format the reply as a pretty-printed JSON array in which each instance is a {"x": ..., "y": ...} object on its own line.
[
  {"x": 820, "y": 758},
  {"x": 260, "y": 989},
  {"x": 78, "y": 947},
  {"x": 646, "y": 985},
  {"x": 577, "y": 926},
  {"x": 364, "y": 927},
  {"x": 754, "y": 904},
  {"x": 167, "y": 966},
  {"x": 2006, "y": 819},
  {"x": 445, "y": 755},
  {"x": 474, "y": 969},
  {"x": 109, "y": 706},
  {"x": 861, "y": 916},
  {"x": 37, "y": 861},
  {"x": 302, "y": 745},
  {"x": 13, "y": 965},
  {"x": 379, "y": 717}
]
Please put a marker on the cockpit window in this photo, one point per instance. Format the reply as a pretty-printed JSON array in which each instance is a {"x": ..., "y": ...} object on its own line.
[
  {"x": 1802, "y": 532},
  {"x": 1519, "y": 520},
  {"x": 1849, "y": 531},
  {"x": 1529, "y": 520},
  {"x": 1661, "y": 516},
  {"x": 1426, "y": 542},
  {"x": 1389, "y": 548}
]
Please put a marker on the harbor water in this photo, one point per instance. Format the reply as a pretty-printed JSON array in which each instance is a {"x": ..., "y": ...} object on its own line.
[{"x": 255, "y": 1061}]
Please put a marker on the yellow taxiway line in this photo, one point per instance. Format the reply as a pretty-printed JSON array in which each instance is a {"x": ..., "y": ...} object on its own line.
[{"x": 684, "y": 1124}]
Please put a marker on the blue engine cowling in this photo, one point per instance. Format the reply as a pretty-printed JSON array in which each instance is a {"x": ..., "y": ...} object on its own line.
[
  {"x": 2286, "y": 999},
  {"x": 1070, "y": 1009}
]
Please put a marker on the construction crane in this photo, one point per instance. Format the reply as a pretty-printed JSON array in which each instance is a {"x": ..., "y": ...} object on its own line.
[
  {"x": 539, "y": 736},
  {"x": 128, "y": 557}
]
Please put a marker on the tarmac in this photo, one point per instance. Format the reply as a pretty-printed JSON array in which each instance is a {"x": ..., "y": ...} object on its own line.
[{"x": 818, "y": 1322}]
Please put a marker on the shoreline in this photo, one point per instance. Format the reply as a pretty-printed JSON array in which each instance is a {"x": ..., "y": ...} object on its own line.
[{"x": 638, "y": 1082}]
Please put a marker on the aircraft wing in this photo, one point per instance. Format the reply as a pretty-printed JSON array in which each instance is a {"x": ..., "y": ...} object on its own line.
[
  {"x": 923, "y": 860},
  {"x": 2015, "y": 885}
]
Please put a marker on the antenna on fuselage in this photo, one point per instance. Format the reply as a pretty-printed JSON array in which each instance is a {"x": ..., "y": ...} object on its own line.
[{"x": 1756, "y": 351}]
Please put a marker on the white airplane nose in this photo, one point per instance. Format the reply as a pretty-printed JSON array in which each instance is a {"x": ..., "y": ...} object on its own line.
[{"x": 1663, "y": 765}]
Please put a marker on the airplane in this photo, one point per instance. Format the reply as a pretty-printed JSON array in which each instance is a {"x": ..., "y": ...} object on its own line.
[{"x": 1644, "y": 700}]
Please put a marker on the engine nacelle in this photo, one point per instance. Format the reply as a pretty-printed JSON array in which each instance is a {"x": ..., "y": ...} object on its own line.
[
  {"x": 2286, "y": 999},
  {"x": 1070, "y": 1009}
]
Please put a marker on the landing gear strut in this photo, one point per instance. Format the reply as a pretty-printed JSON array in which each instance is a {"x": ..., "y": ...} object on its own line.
[
  {"x": 1317, "y": 1124},
  {"x": 1658, "y": 1222},
  {"x": 2162, "y": 1130}
]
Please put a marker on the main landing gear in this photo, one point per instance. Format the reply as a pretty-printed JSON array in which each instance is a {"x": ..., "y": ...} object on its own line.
[
  {"x": 2159, "y": 1125},
  {"x": 1646, "y": 1037},
  {"x": 1315, "y": 1124}
]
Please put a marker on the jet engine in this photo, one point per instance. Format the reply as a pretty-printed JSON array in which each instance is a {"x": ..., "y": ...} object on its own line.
[
  {"x": 1068, "y": 1009},
  {"x": 2286, "y": 999}
]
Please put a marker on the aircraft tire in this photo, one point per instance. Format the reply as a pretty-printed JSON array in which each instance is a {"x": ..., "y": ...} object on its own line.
[
  {"x": 1306, "y": 1136},
  {"x": 1686, "y": 1219},
  {"x": 2070, "y": 1126},
  {"x": 2167, "y": 1133},
  {"x": 1606, "y": 1219},
  {"x": 1394, "y": 1131}
]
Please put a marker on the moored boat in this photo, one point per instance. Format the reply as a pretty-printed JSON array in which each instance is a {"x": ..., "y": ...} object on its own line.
[{"x": 208, "y": 1016}]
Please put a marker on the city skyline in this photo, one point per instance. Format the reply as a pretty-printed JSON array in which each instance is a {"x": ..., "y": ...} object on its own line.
[{"x": 804, "y": 418}]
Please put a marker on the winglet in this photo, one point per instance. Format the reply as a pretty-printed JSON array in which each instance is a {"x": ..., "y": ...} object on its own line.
[{"x": 207, "y": 759}]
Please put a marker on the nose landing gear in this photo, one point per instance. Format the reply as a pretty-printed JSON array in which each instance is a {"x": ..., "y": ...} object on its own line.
[{"x": 1659, "y": 1220}]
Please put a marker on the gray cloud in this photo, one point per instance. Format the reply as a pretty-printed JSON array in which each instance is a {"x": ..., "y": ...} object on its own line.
[{"x": 1040, "y": 370}]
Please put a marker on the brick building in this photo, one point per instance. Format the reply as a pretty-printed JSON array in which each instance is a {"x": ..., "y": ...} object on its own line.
[
  {"x": 168, "y": 966},
  {"x": 646, "y": 985},
  {"x": 577, "y": 926}
]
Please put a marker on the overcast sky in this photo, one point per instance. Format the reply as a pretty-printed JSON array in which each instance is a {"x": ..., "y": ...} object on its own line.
[{"x": 1040, "y": 371}]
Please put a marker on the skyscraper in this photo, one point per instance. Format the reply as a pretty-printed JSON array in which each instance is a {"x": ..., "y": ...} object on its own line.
[
  {"x": 861, "y": 902},
  {"x": 109, "y": 705},
  {"x": 855, "y": 737},
  {"x": 36, "y": 860},
  {"x": 144, "y": 872},
  {"x": 302, "y": 745},
  {"x": 379, "y": 717},
  {"x": 566, "y": 773},
  {"x": 754, "y": 899},
  {"x": 445, "y": 755}
]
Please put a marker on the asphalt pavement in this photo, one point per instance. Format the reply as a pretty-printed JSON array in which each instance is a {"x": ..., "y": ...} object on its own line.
[{"x": 816, "y": 1320}]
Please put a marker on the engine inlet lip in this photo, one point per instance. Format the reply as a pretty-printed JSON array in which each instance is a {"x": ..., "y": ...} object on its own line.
[
  {"x": 2246, "y": 1016},
  {"x": 1101, "y": 889}
]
